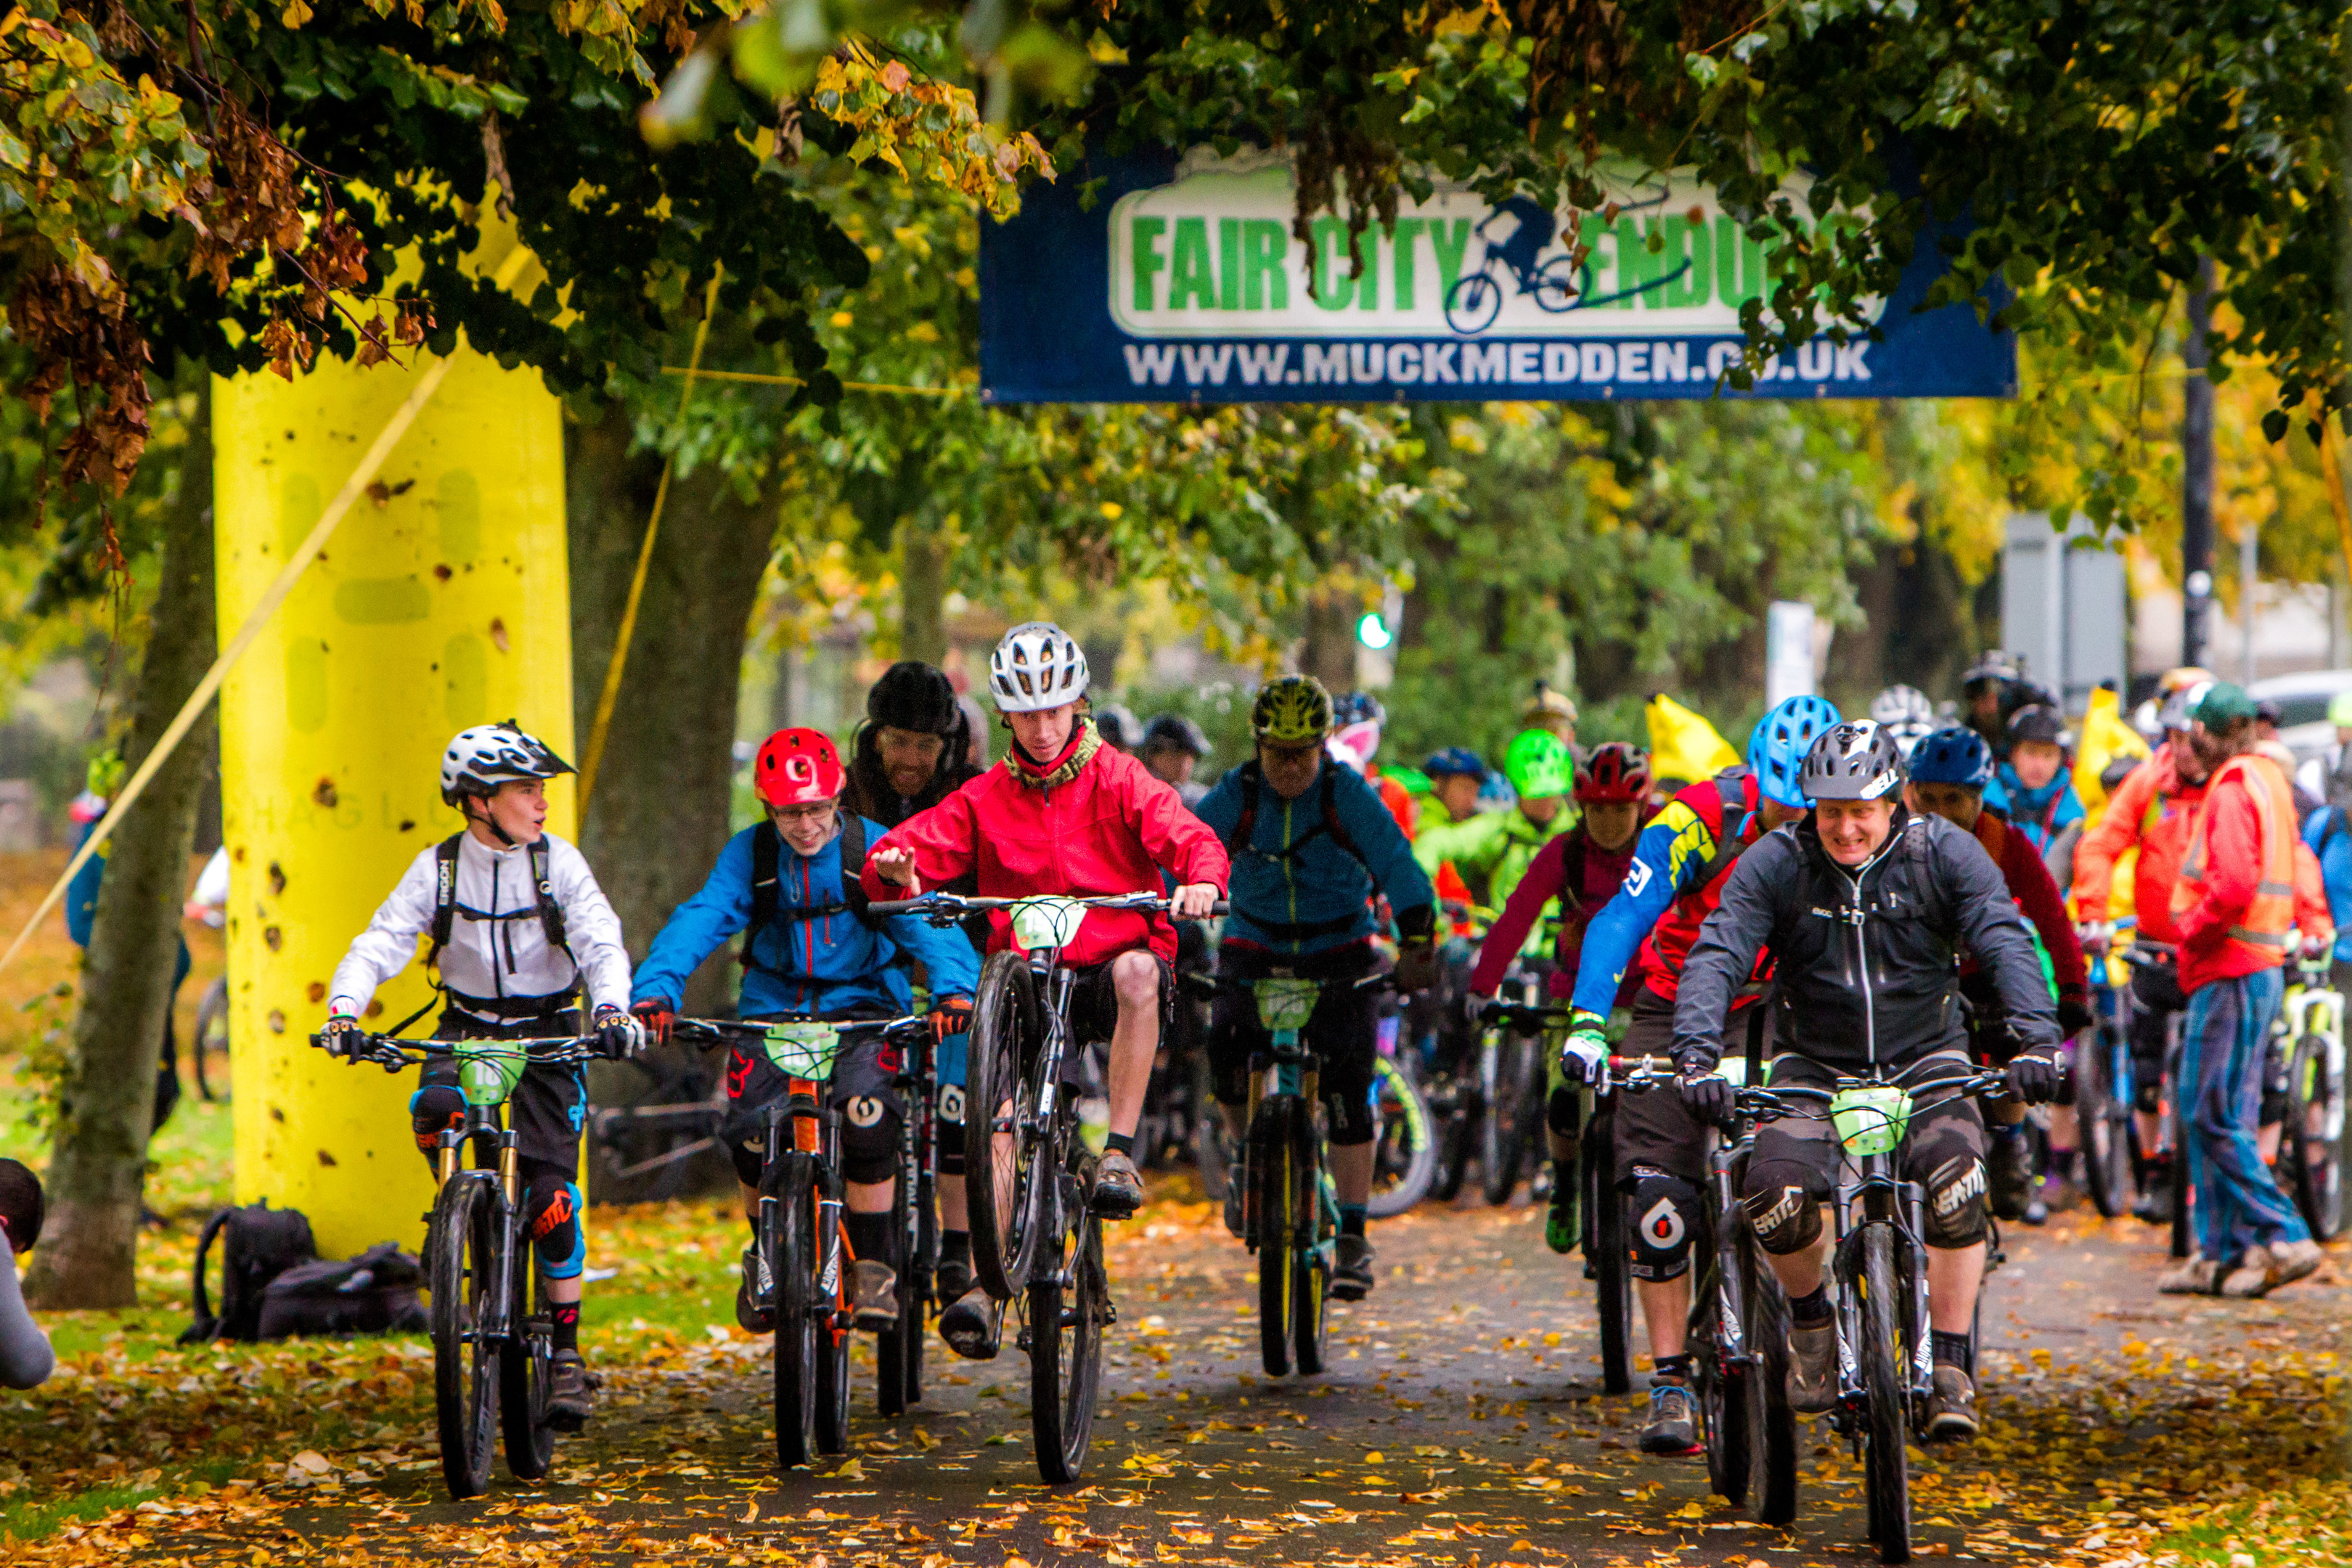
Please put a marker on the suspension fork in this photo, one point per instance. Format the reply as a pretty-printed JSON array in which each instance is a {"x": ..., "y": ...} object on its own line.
[
  {"x": 1914, "y": 1251},
  {"x": 1731, "y": 1332}
]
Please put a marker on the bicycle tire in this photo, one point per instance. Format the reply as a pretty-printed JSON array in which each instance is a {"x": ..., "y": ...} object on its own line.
[
  {"x": 1771, "y": 1423},
  {"x": 1721, "y": 1384},
  {"x": 212, "y": 1017},
  {"x": 2104, "y": 1127},
  {"x": 1456, "y": 1130},
  {"x": 1274, "y": 1226},
  {"x": 788, "y": 1234},
  {"x": 1002, "y": 1190},
  {"x": 891, "y": 1344},
  {"x": 2316, "y": 1118},
  {"x": 1473, "y": 303},
  {"x": 1517, "y": 1082},
  {"x": 1065, "y": 1345},
  {"x": 1311, "y": 1259},
  {"x": 1887, "y": 1468},
  {"x": 1212, "y": 1153},
  {"x": 1556, "y": 285},
  {"x": 1404, "y": 1161},
  {"x": 1605, "y": 1255},
  {"x": 465, "y": 1364},
  {"x": 831, "y": 1320},
  {"x": 2184, "y": 1241},
  {"x": 526, "y": 1370}
]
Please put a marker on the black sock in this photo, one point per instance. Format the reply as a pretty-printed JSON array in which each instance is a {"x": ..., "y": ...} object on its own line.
[
  {"x": 1120, "y": 1143},
  {"x": 1953, "y": 1349},
  {"x": 1351, "y": 1219},
  {"x": 869, "y": 1236},
  {"x": 564, "y": 1319},
  {"x": 1675, "y": 1369},
  {"x": 1811, "y": 1311},
  {"x": 955, "y": 1247}
]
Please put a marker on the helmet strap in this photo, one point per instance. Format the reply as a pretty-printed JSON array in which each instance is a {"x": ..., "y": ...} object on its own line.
[{"x": 486, "y": 819}]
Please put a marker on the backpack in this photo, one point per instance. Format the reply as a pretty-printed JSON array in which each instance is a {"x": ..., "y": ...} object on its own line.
[
  {"x": 262, "y": 1244},
  {"x": 444, "y": 921},
  {"x": 1252, "y": 781},
  {"x": 767, "y": 907},
  {"x": 1731, "y": 796},
  {"x": 374, "y": 1293}
]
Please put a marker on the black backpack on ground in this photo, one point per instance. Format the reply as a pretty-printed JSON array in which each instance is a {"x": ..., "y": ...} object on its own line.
[
  {"x": 261, "y": 1244},
  {"x": 374, "y": 1293}
]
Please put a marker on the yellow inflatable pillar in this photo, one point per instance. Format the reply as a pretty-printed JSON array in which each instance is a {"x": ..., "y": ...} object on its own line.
[{"x": 442, "y": 601}]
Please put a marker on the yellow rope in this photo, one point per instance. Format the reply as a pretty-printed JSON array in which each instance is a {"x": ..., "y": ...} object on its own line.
[
  {"x": 353, "y": 488},
  {"x": 602, "y": 726},
  {"x": 800, "y": 381}
]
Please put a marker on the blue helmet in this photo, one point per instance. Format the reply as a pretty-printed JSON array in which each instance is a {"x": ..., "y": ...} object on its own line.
[
  {"x": 1776, "y": 752},
  {"x": 1954, "y": 756},
  {"x": 1454, "y": 760}
]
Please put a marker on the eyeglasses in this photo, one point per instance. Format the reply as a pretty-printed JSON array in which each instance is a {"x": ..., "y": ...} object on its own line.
[{"x": 793, "y": 815}]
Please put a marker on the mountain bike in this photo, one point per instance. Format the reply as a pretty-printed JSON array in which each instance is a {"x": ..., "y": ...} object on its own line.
[
  {"x": 2311, "y": 1151},
  {"x": 493, "y": 1345},
  {"x": 1034, "y": 1243},
  {"x": 802, "y": 1245},
  {"x": 1511, "y": 1081},
  {"x": 1404, "y": 1155},
  {"x": 2103, "y": 1090},
  {"x": 1879, "y": 1282}
]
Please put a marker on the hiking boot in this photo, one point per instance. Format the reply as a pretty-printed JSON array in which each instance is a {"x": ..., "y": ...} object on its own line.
[
  {"x": 1952, "y": 1407},
  {"x": 1560, "y": 1216},
  {"x": 1673, "y": 1427},
  {"x": 2293, "y": 1260},
  {"x": 1236, "y": 1203},
  {"x": 1813, "y": 1367},
  {"x": 2155, "y": 1205},
  {"x": 973, "y": 1326},
  {"x": 755, "y": 1295},
  {"x": 1351, "y": 1272},
  {"x": 1119, "y": 1187},
  {"x": 2253, "y": 1276},
  {"x": 873, "y": 1294},
  {"x": 571, "y": 1392},
  {"x": 2190, "y": 1277},
  {"x": 2011, "y": 1174}
]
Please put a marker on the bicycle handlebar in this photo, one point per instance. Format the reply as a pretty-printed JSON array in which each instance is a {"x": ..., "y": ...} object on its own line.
[
  {"x": 708, "y": 1031},
  {"x": 943, "y": 909},
  {"x": 393, "y": 1053}
]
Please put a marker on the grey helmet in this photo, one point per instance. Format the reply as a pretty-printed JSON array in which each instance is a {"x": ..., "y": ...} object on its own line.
[
  {"x": 482, "y": 757},
  {"x": 1901, "y": 704},
  {"x": 1853, "y": 761}
]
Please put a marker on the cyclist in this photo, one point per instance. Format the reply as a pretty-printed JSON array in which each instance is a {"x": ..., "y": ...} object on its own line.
[
  {"x": 2035, "y": 786},
  {"x": 1864, "y": 907},
  {"x": 1984, "y": 690},
  {"x": 1172, "y": 748},
  {"x": 1551, "y": 711},
  {"x": 1456, "y": 774},
  {"x": 2151, "y": 811},
  {"x": 1356, "y": 722},
  {"x": 1311, "y": 844},
  {"x": 810, "y": 950},
  {"x": 1533, "y": 228},
  {"x": 1115, "y": 723},
  {"x": 1682, "y": 859},
  {"x": 1905, "y": 713},
  {"x": 912, "y": 750},
  {"x": 1494, "y": 848},
  {"x": 2233, "y": 905},
  {"x": 26, "y": 1358},
  {"x": 1949, "y": 776},
  {"x": 1065, "y": 814},
  {"x": 2328, "y": 834},
  {"x": 519, "y": 926}
]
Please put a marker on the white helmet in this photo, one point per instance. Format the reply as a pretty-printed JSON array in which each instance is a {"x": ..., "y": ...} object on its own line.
[
  {"x": 1901, "y": 704},
  {"x": 1037, "y": 665},
  {"x": 482, "y": 758}
]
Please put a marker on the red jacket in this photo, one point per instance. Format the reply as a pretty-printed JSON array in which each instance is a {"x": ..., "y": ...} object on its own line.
[
  {"x": 2030, "y": 883},
  {"x": 2234, "y": 857},
  {"x": 1095, "y": 823},
  {"x": 2153, "y": 809},
  {"x": 1582, "y": 888}
]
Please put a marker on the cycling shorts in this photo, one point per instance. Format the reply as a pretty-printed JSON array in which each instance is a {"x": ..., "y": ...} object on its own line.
[
  {"x": 1343, "y": 1031},
  {"x": 864, "y": 1087},
  {"x": 1094, "y": 999},
  {"x": 1654, "y": 1129},
  {"x": 548, "y": 1104}
]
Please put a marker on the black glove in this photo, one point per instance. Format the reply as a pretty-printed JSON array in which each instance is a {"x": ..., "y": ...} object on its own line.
[
  {"x": 2074, "y": 1015},
  {"x": 342, "y": 1037},
  {"x": 618, "y": 1035},
  {"x": 1417, "y": 966},
  {"x": 951, "y": 1016},
  {"x": 657, "y": 1017},
  {"x": 1706, "y": 1092},
  {"x": 2035, "y": 1075}
]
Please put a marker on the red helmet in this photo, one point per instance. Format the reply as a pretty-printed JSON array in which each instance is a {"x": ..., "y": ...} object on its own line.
[
  {"x": 797, "y": 767},
  {"x": 1614, "y": 772}
]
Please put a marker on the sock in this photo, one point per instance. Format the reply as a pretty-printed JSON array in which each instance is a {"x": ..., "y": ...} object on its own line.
[
  {"x": 1812, "y": 1310},
  {"x": 564, "y": 1316},
  {"x": 1673, "y": 1369},
  {"x": 2010, "y": 1130},
  {"x": 1351, "y": 1219},
  {"x": 1952, "y": 1350},
  {"x": 955, "y": 1247},
  {"x": 869, "y": 1236},
  {"x": 1120, "y": 1143}
]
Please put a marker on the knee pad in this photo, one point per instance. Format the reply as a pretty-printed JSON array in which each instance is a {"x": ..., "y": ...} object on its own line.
[
  {"x": 552, "y": 1206},
  {"x": 1787, "y": 1217},
  {"x": 1664, "y": 1209},
  {"x": 950, "y": 1129},
  {"x": 434, "y": 1108},
  {"x": 1564, "y": 1110},
  {"x": 869, "y": 1140},
  {"x": 1956, "y": 1202}
]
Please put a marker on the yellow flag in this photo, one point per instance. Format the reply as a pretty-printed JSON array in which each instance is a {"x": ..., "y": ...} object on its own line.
[
  {"x": 1683, "y": 745},
  {"x": 2106, "y": 737}
]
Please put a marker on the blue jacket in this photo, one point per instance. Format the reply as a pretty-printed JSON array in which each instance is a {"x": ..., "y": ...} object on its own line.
[
  {"x": 2335, "y": 852},
  {"x": 81, "y": 902},
  {"x": 2040, "y": 814},
  {"x": 1321, "y": 884},
  {"x": 818, "y": 965}
]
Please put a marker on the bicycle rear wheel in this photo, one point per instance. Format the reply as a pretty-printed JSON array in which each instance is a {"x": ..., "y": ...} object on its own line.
[
  {"x": 526, "y": 1367},
  {"x": 788, "y": 1237},
  {"x": 1887, "y": 1468},
  {"x": 1456, "y": 1120},
  {"x": 1212, "y": 1151},
  {"x": 465, "y": 1362},
  {"x": 1066, "y": 1324},
  {"x": 1771, "y": 1424},
  {"x": 1605, "y": 1256},
  {"x": 2315, "y": 1127},
  {"x": 1404, "y": 1156},
  {"x": 1274, "y": 1225},
  {"x": 210, "y": 1047},
  {"x": 1519, "y": 1082},
  {"x": 1002, "y": 1146}
]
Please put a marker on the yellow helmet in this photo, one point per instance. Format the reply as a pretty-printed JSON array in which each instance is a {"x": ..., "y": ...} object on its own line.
[{"x": 1291, "y": 709}]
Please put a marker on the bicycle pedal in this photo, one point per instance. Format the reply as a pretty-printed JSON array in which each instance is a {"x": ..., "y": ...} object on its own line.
[{"x": 1021, "y": 1342}]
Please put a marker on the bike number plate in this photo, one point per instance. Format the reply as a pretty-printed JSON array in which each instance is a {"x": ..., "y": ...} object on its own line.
[
  {"x": 1871, "y": 1120},
  {"x": 489, "y": 1072},
  {"x": 1048, "y": 924},
  {"x": 803, "y": 1049},
  {"x": 1286, "y": 1003}
]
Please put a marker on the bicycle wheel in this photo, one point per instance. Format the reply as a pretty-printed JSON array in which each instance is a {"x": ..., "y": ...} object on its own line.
[
  {"x": 526, "y": 1367},
  {"x": 893, "y": 1345},
  {"x": 1721, "y": 1384},
  {"x": 1886, "y": 1472},
  {"x": 830, "y": 1318},
  {"x": 1065, "y": 1344},
  {"x": 1518, "y": 1074},
  {"x": 1771, "y": 1424},
  {"x": 1456, "y": 1115},
  {"x": 1404, "y": 1155},
  {"x": 1472, "y": 304},
  {"x": 2106, "y": 1127},
  {"x": 1605, "y": 1253},
  {"x": 211, "y": 1047},
  {"x": 1556, "y": 285},
  {"x": 788, "y": 1237},
  {"x": 1273, "y": 1226},
  {"x": 2315, "y": 1123},
  {"x": 465, "y": 1362},
  {"x": 1310, "y": 1266},
  {"x": 1002, "y": 1146}
]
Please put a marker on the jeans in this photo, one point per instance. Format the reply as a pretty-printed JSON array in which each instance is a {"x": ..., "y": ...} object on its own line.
[{"x": 2225, "y": 1044}]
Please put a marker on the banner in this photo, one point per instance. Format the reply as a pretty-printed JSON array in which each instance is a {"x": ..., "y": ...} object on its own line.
[{"x": 1139, "y": 280}]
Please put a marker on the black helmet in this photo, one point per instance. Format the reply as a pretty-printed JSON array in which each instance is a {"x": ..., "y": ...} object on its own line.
[
  {"x": 1176, "y": 732},
  {"x": 912, "y": 695},
  {"x": 1116, "y": 723},
  {"x": 2036, "y": 721},
  {"x": 1853, "y": 761},
  {"x": 1993, "y": 665}
]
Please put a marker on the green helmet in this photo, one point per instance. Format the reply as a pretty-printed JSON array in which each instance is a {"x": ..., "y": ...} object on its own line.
[
  {"x": 1291, "y": 709},
  {"x": 2340, "y": 710},
  {"x": 1538, "y": 763}
]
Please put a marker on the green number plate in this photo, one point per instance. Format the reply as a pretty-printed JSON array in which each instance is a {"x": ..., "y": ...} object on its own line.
[
  {"x": 803, "y": 1050},
  {"x": 1286, "y": 1003},
  {"x": 1872, "y": 1120},
  {"x": 489, "y": 1072},
  {"x": 1048, "y": 924}
]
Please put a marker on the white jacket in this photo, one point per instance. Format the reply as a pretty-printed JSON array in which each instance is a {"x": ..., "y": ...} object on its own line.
[{"x": 488, "y": 957}]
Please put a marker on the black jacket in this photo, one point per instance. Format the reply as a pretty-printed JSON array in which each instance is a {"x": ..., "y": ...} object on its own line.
[{"x": 1864, "y": 961}]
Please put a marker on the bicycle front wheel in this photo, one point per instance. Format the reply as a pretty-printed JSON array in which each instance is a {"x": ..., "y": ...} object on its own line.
[
  {"x": 2315, "y": 1126},
  {"x": 833, "y": 1336},
  {"x": 1473, "y": 303},
  {"x": 1006, "y": 1151},
  {"x": 2105, "y": 1126},
  {"x": 1404, "y": 1153},
  {"x": 465, "y": 1360},
  {"x": 1311, "y": 1255},
  {"x": 1721, "y": 1383},
  {"x": 1065, "y": 1328},
  {"x": 1605, "y": 1256},
  {"x": 1274, "y": 1225},
  {"x": 526, "y": 1368},
  {"x": 1771, "y": 1424},
  {"x": 898, "y": 1349},
  {"x": 788, "y": 1238},
  {"x": 1887, "y": 1468},
  {"x": 1518, "y": 1085}
]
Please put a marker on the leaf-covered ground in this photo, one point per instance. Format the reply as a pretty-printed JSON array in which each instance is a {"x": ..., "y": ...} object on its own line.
[{"x": 1462, "y": 1425}]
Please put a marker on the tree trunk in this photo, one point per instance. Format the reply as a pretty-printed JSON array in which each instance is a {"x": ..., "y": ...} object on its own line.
[
  {"x": 1329, "y": 655},
  {"x": 106, "y": 1102},
  {"x": 922, "y": 596}
]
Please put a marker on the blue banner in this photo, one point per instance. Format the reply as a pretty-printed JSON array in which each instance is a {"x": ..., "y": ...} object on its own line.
[{"x": 1183, "y": 281}]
